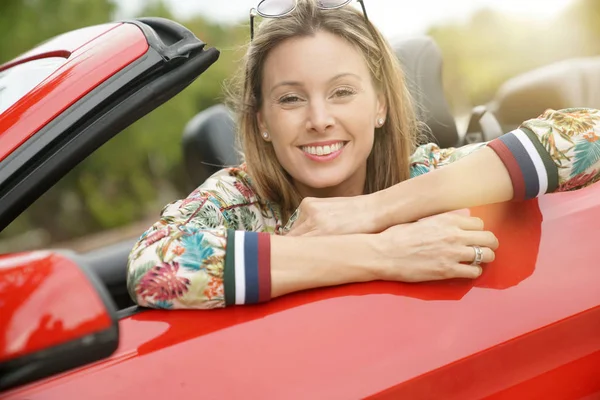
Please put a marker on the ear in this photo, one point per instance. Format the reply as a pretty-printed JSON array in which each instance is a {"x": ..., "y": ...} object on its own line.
[
  {"x": 261, "y": 122},
  {"x": 381, "y": 105},
  {"x": 262, "y": 126}
]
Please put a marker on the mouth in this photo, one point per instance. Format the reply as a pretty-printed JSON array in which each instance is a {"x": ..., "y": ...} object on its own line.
[{"x": 323, "y": 149}]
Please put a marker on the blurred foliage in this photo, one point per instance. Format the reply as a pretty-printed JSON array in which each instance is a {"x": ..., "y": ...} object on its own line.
[
  {"x": 492, "y": 47},
  {"x": 26, "y": 23},
  {"x": 135, "y": 174}
]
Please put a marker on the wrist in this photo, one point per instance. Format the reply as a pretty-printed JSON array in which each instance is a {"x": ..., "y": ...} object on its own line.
[
  {"x": 377, "y": 212},
  {"x": 341, "y": 259},
  {"x": 395, "y": 205},
  {"x": 411, "y": 200},
  {"x": 374, "y": 253}
]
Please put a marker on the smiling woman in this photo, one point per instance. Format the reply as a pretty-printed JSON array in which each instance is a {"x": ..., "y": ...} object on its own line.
[
  {"x": 333, "y": 189},
  {"x": 296, "y": 114}
]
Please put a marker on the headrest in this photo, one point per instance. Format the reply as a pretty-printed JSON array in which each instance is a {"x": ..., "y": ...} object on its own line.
[
  {"x": 209, "y": 138},
  {"x": 209, "y": 143},
  {"x": 421, "y": 60},
  {"x": 565, "y": 84}
]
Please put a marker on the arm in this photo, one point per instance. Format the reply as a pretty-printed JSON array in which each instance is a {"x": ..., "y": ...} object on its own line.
[
  {"x": 185, "y": 259},
  {"x": 481, "y": 178},
  {"x": 207, "y": 251},
  {"x": 193, "y": 258},
  {"x": 557, "y": 151},
  {"x": 300, "y": 263},
  {"x": 211, "y": 268},
  {"x": 179, "y": 261}
]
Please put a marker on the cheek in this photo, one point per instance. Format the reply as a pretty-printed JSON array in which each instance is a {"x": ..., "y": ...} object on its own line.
[
  {"x": 360, "y": 126},
  {"x": 282, "y": 150},
  {"x": 282, "y": 140},
  {"x": 285, "y": 130},
  {"x": 282, "y": 125},
  {"x": 360, "y": 115}
]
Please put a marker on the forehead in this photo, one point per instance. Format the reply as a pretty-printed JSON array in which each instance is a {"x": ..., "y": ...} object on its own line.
[{"x": 313, "y": 58}]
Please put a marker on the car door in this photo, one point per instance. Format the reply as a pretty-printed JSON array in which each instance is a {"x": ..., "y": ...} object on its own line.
[
  {"x": 59, "y": 103},
  {"x": 90, "y": 85}
]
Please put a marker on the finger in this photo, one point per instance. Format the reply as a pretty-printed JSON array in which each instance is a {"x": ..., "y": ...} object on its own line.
[
  {"x": 466, "y": 271},
  {"x": 468, "y": 223},
  {"x": 298, "y": 229},
  {"x": 467, "y": 254},
  {"x": 462, "y": 221},
  {"x": 294, "y": 222},
  {"x": 480, "y": 238},
  {"x": 463, "y": 211}
]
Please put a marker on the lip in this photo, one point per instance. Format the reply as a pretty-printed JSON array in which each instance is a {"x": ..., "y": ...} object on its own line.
[
  {"x": 326, "y": 143},
  {"x": 328, "y": 157}
]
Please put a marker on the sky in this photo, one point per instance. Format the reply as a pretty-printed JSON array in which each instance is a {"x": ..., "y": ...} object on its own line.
[{"x": 394, "y": 18}]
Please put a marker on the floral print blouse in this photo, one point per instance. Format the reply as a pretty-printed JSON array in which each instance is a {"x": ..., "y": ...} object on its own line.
[{"x": 211, "y": 249}]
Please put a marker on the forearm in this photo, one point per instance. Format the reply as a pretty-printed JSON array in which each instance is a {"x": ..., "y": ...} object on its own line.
[
  {"x": 554, "y": 152},
  {"x": 300, "y": 263},
  {"x": 478, "y": 179}
]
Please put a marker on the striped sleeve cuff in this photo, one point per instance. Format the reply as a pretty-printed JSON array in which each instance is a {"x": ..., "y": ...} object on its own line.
[
  {"x": 247, "y": 276},
  {"x": 529, "y": 165}
]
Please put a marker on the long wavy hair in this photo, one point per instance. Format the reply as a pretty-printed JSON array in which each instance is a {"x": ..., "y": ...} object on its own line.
[{"x": 388, "y": 163}]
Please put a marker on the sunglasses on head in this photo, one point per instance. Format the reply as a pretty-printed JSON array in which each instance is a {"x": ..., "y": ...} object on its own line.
[{"x": 281, "y": 8}]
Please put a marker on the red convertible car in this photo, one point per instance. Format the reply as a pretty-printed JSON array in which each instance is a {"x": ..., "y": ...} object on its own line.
[{"x": 528, "y": 328}]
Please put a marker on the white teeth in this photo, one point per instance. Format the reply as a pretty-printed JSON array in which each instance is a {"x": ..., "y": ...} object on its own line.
[{"x": 323, "y": 150}]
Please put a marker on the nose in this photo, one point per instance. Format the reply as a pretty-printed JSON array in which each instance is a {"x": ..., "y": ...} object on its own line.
[{"x": 319, "y": 118}]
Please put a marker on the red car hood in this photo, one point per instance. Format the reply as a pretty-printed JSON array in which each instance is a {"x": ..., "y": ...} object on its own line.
[{"x": 519, "y": 331}]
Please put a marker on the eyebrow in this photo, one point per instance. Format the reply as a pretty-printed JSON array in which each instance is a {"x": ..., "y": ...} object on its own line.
[{"x": 296, "y": 83}]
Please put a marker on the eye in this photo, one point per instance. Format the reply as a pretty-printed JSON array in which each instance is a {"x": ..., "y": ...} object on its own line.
[
  {"x": 344, "y": 92},
  {"x": 289, "y": 99}
]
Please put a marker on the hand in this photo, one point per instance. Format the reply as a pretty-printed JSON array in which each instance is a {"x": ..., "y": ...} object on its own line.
[
  {"x": 434, "y": 248},
  {"x": 333, "y": 216}
]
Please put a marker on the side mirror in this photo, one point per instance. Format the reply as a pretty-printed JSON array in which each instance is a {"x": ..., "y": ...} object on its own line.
[{"x": 54, "y": 316}]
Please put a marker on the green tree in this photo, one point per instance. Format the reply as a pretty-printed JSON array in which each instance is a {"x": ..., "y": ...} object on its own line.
[{"x": 26, "y": 23}]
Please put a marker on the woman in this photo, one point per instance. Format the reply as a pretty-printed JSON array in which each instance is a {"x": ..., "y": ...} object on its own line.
[{"x": 328, "y": 132}]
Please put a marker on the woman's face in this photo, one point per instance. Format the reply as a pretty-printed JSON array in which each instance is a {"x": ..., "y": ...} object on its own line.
[{"x": 320, "y": 110}]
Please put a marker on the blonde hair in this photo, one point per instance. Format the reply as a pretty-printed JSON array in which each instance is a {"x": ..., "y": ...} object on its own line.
[{"x": 388, "y": 163}]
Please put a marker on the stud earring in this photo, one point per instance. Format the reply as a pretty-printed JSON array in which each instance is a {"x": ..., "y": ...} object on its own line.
[
  {"x": 265, "y": 135},
  {"x": 380, "y": 122}
]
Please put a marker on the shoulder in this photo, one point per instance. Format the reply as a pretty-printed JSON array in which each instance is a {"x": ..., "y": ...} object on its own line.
[
  {"x": 424, "y": 153},
  {"x": 229, "y": 186},
  {"x": 424, "y": 159},
  {"x": 227, "y": 198}
]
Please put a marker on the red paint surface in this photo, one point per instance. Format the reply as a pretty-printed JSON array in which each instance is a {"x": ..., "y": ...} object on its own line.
[
  {"x": 62, "y": 45},
  {"x": 45, "y": 300},
  {"x": 89, "y": 64},
  {"x": 528, "y": 328}
]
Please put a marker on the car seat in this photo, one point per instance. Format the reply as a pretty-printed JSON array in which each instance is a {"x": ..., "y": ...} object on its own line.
[
  {"x": 564, "y": 84},
  {"x": 209, "y": 137}
]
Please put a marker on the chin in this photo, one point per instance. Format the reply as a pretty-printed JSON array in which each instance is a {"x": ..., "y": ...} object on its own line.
[{"x": 324, "y": 182}]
